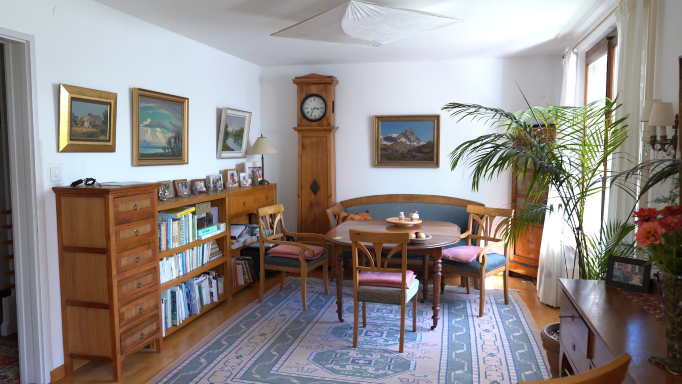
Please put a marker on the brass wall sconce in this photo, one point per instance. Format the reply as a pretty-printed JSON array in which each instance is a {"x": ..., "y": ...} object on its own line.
[{"x": 658, "y": 115}]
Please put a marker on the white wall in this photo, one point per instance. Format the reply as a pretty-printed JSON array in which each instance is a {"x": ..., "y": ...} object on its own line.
[
  {"x": 94, "y": 46},
  {"x": 365, "y": 90}
]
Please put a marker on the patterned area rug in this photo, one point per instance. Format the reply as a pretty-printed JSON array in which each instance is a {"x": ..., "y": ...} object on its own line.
[
  {"x": 9, "y": 362},
  {"x": 278, "y": 342}
]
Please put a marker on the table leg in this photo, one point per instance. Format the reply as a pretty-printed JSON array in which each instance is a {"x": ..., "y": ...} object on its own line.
[
  {"x": 437, "y": 267},
  {"x": 338, "y": 253},
  {"x": 425, "y": 267}
]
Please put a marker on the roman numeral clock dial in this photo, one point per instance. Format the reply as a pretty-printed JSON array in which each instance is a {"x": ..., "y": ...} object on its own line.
[{"x": 313, "y": 107}]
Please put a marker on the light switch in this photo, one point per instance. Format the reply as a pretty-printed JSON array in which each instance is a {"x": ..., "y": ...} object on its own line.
[{"x": 55, "y": 174}]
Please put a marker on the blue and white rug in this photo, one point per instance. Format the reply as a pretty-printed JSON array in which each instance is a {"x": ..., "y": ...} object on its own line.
[{"x": 277, "y": 342}]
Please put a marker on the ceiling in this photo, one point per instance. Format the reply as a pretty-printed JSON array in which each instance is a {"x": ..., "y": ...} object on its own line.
[{"x": 491, "y": 28}]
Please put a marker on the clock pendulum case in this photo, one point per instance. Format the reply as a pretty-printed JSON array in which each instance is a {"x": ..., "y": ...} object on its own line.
[{"x": 316, "y": 107}]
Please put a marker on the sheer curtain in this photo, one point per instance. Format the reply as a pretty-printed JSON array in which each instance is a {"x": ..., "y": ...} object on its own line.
[{"x": 557, "y": 250}]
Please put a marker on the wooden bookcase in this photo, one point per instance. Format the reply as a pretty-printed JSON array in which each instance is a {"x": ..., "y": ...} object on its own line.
[{"x": 109, "y": 264}]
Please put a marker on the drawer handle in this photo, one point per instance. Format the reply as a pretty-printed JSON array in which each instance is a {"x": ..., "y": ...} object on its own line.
[
  {"x": 135, "y": 207},
  {"x": 244, "y": 203},
  {"x": 139, "y": 284},
  {"x": 137, "y": 233},
  {"x": 141, "y": 310},
  {"x": 573, "y": 346},
  {"x": 141, "y": 335},
  {"x": 267, "y": 197},
  {"x": 137, "y": 259},
  {"x": 572, "y": 317}
]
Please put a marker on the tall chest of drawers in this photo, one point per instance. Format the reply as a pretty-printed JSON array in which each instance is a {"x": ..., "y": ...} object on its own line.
[{"x": 109, "y": 272}]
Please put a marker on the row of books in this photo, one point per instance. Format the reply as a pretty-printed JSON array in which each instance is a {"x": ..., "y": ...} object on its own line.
[
  {"x": 183, "y": 225},
  {"x": 241, "y": 234},
  {"x": 174, "y": 266},
  {"x": 186, "y": 299},
  {"x": 244, "y": 271}
]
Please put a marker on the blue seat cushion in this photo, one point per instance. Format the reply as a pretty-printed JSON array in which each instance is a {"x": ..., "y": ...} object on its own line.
[
  {"x": 289, "y": 262},
  {"x": 386, "y": 295},
  {"x": 495, "y": 261}
]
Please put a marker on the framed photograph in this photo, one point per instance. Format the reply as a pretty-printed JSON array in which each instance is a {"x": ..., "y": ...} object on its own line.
[
  {"x": 231, "y": 177},
  {"x": 199, "y": 185},
  {"x": 244, "y": 180},
  {"x": 87, "y": 120},
  {"x": 168, "y": 185},
  {"x": 215, "y": 181},
  {"x": 627, "y": 273},
  {"x": 233, "y": 133},
  {"x": 160, "y": 128},
  {"x": 407, "y": 141},
  {"x": 181, "y": 185},
  {"x": 254, "y": 166}
]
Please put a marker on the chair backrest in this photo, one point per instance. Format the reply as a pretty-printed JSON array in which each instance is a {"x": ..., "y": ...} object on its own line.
[
  {"x": 613, "y": 372},
  {"x": 330, "y": 214},
  {"x": 485, "y": 225},
  {"x": 376, "y": 264},
  {"x": 271, "y": 222}
]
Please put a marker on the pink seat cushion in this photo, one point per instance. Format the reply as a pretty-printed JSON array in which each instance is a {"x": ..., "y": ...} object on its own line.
[
  {"x": 386, "y": 279},
  {"x": 291, "y": 251},
  {"x": 463, "y": 254}
]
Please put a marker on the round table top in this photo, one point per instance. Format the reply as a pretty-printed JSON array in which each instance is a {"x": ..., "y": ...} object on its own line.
[{"x": 442, "y": 233}]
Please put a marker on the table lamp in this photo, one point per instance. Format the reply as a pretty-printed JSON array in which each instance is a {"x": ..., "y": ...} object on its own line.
[{"x": 262, "y": 147}]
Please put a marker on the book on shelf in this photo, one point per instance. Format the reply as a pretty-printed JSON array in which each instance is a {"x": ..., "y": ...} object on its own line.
[
  {"x": 187, "y": 298},
  {"x": 176, "y": 232},
  {"x": 241, "y": 272},
  {"x": 174, "y": 266},
  {"x": 176, "y": 213}
]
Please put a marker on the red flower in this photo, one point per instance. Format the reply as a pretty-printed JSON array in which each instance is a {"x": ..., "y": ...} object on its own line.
[
  {"x": 649, "y": 233},
  {"x": 671, "y": 210},
  {"x": 645, "y": 214},
  {"x": 670, "y": 223}
]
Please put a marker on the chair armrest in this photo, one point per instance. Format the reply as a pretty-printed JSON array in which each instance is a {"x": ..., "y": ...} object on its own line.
[
  {"x": 484, "y": 252},
  {"x": 465, "y": 234},
  {"x": 309, "y": 237}
]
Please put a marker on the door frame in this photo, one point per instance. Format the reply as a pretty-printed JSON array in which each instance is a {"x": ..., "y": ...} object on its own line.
[{"x": 28, "y": 207}]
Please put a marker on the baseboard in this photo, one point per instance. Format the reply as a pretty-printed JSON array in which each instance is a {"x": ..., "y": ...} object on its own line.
[{"x": 59, "y": 373}]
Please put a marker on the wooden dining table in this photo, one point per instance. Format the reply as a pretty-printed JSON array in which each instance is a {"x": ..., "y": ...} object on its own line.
[{"x": 442, "y": 235}]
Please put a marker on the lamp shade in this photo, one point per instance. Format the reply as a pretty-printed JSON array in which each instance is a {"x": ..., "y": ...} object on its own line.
[
  {"x": 262, "y": 146},
  {"x": 646, "y": 112},
  {"x": 662, "y": 115}
]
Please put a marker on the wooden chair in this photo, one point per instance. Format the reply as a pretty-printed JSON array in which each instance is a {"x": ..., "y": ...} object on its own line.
[
  {"x": 485, "y": 264},
  {"x": 272, "y": 231},
  {"x": 379, "y": 294},
  {"x": 611, "y": 373}
]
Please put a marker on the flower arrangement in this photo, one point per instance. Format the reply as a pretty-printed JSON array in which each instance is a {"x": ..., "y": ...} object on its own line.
[{"x": 660, "y": 231}]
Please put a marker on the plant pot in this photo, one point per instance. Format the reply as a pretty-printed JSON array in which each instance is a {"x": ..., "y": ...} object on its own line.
[
  {"x": 671, "y": 295},
  {"x": 552, "y": 346}
]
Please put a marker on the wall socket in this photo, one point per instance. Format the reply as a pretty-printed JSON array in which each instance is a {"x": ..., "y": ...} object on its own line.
[{"x": 55, "y": 174}]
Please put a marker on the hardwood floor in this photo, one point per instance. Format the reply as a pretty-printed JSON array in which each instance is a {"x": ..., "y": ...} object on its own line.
[{"x": 146, "y": 364}]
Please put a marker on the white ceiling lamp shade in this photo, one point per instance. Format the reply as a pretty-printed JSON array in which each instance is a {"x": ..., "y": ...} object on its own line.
[{"x": 363, "y": 23}]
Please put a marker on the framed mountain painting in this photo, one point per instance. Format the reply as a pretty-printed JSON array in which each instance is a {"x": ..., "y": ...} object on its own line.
[
  {"x": 233, "y": 133},
  {"x": 407, "y": 141},
  {"x": 160, "y": 128}
]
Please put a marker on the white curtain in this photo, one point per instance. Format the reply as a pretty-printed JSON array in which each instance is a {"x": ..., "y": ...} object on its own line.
[
  {"x": 557, "y": 250},
  {"x": 636, "y": 20}
]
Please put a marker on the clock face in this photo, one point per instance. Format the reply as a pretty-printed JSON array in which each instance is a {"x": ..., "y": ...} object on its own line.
[{"x": 313, "y": 107}]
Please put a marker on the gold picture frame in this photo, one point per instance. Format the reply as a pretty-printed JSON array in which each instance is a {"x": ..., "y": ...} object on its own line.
[
  {"x": 160, "y": 128},
  {"x": 407, "y": 141},
  {"x": 87, "y": 120}
]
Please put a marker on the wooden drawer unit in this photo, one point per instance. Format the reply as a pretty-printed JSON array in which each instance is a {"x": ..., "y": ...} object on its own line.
[
  {"x": 137, "y": 310},
  {"x": 266, "y": 197},
  {"x": 243, "y": 204},
  {"x": 140, "y": 206},
  {"x": 140, "y": 335},
  {"x": 138, "y": 230},
  {"x": 135, "y": 258},
  {"x": 138, "y": 284},
  {"x": 575, "y": 335},
  {"x": 110, "y": 299}
]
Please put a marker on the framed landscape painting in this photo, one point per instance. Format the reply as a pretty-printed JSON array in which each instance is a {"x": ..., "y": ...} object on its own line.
[
  {"x": 160, "y": 128},
  {"x": 233, "y": 135},
  {"x": 87, "y": 120},
  {"x": 407, "y": 141}
]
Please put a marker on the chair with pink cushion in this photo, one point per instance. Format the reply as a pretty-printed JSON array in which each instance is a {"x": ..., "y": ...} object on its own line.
[
  {"x": 297, "y": 257},
  {"x": 479, "y": 261},
  {"x": 377, "y": 283}
]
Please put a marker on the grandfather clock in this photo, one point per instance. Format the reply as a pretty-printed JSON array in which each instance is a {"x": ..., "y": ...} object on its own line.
[{"x": 316, "y": 99}]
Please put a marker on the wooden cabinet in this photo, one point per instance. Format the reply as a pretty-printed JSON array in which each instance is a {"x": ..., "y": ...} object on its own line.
[
  {"x": 525, "y": 257},
  {"x": 109, "y": 272}
]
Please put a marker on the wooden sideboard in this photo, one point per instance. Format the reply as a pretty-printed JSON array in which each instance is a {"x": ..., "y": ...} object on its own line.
[
  {"x": 598, "y": 323},
  {"x": 109, "y": 264}
]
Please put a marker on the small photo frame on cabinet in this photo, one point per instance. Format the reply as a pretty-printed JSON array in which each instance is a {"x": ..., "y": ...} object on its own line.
[
  {"x": 244, "y": 180},
  {"x": 199, "y": 185},
  {"x": 231, "y": 177},
  {"x": 255, "y": 166},
  {"x": 630, "y": 274},
  {"x": 168, "y": 185},
  {"x": 181, "y": 185},
  {"x": 215, "y": 182}
]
